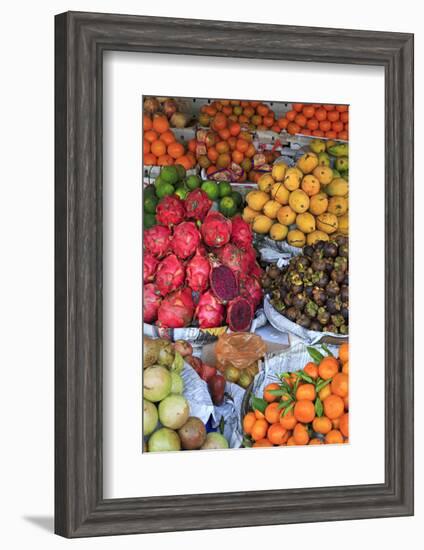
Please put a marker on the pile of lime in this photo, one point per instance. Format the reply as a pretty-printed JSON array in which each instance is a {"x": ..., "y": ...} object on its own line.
[{"x": 229, "y": 201}]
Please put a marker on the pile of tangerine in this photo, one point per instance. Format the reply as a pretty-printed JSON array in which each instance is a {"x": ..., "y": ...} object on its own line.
[
  {"x": 319, "y": 120},
  {"x": 308, "y": 407}
]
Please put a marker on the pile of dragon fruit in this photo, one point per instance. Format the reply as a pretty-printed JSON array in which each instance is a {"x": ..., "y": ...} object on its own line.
[{"x": 200, "y": 268}]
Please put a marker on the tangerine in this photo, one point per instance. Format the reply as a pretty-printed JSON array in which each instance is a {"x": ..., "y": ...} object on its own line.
[
  {"x": 277, "y": 434},
  {"x": 272, "y": 413},
  {"x": 311, "y": 369},
  {"x": 248, "y": 422},
  {"x": 176, "y": 150},
  {"x": 344, "y": 424},
  {"x": 304, "y": 411},
  {"x": 306, "y": 391},
  {"x": 334, "y": 437},
  {"x": 340, "y": 384},
  {"x": 321, "y": 425},
  {"x": 333, "y": 406},
  {"x": 259, "y": 429},
  {"x": 160, "y": 124},
  {"x": 268, "y": 396},
  {"x": 344, "y": 352},
  {"x": 158, "y": 147},
  {"x": 288, "y": 421},
  {"x": 328, "y": 367},
  {"x": 264, "y": 442},
  {"x": 300, "y": 434}
]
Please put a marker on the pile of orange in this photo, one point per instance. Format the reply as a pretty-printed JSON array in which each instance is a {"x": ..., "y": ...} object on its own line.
[
  {"x": 316, "y": 119},
  {"x": 224, "y": 147},
  {"x": 252, "y": 115},
  {"x": 160, "y": 146},
  {"x": 307, "y": 407}
]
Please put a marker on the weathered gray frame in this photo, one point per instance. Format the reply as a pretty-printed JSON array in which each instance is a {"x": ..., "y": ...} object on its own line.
[{"x": 81, "y": 39}]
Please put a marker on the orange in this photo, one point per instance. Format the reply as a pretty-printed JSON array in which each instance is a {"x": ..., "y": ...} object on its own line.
[
  {"x": 291, "y": 441},
  {"x": 232, "y": 141},
  {"x": 224, "y": 134},
  {"x": 336, "y": 423},
  {"x": 262, "y": 109},
  {"x": 329, "y": 107},
  {"x": 223, "y": 160},
  {"x": 306, "y": 391},
  {"x": 334, "y": 437},
  {"x": 158, "y": 147},
  {"x": 298, "y": 107},
  {"x": 344, "y": 352},
  {"x": 315, "y": 441},
  {"x": 259, "y": 415},
  {"x": 344, "y": 424},
  {"x": 344, "y": 116},
  {"x": 345, "y": 367},
  {"x": 211, "y": 169},
  {"x": 160, "y": 124},
  {"x": 318, "y": 133},
  {"x": 212, "y": 154},
  {"x": 234, "y": 129},
  {"x": 237, "y": 156},
  {"x": 150, "y": 159},
  {"x": 272, "y": 413},
  {"x": 342, "y": 108},
  {"x": 301, "y": 120},
  {"x": 304, "y": 411},
  {"x": 325, "y": 392},
  {"x": 168, "y": 138},
  {"x": 306, "y": 132},
  {"x": 320, "y": 114},
  {"x": 192, "y": 145},
  {"x": 151, "y": 136},
  {"x": 321, "y": 425},
  {"x": 147, "y": 123},
  {"x": 262, "y": 443},
  {"x": 248, "y": 422},
  {"x": 219, "y": 122},
  {"x": 251, "y": 151},
  {"x": 328, "y": 367},
  {"x": 165, "y": 160},
  {"x": 332, "y": 116},
  {"x": 325, "y": 125},
  {"x": 268, "y": 121},
  {"x": 146, "y": 147},
  {"x": 311, "y": 370},
  {"x": 175, "y": 150},
  {"x": 333, "y": 406},
  {"x": 340, "y": 384},
  {"x": 282, "y": 123},
  {"x": 288, "y": 421},
  {"x": 331, "y": 134},
  {"x": 227, "y": 110},
  {"x": 268, "y": 396},
  {"x": 312, "y": 124},
  {"x": 308, "y": 111},
  {"x": 291, "y": 115},
  {"x": 184, "y": 161},
  {"x": 300, "y": 434},
  {"x": 242, "y": 145},
  {"x": 275, "y": 128},
  {"x": 293, "y": 128},
  {"x": 343, "y": 135},
  {"x": 259, "y": 429},
  {"x": 277, "y": 434},
  {"x": 222, "y": 147},
  {"x": 337, "y": 126}
]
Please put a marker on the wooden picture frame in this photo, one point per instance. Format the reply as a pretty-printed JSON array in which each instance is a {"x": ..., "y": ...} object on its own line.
[{"x": 81, "y": 39}]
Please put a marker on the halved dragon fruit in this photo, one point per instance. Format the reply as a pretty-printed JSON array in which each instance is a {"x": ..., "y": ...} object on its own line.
[
  {"x": 150, "y": 264},
  {"x": 170, "y": 274},
  {"x": 250, "y": 288},
  {"x": 176, "y": 309},
  {"x": 170, "y": 210},
  {"x": 156, "y": 240},
  {"x": 185, "y": 240},
  {"x": 197, "y": 272},
  {"x": 241, "y": 233},
  {"x": 151, "y": 303},
  {"x": 223, "y": 282},
  {"x": 239, "y": 314},
  {"x": 209, "y": 311},
  {"x": 197, "y": 205},
  {"x": 216, "y": 230}
]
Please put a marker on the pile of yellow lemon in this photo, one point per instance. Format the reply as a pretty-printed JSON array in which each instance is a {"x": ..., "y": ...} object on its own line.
[{"x": 302, "y": 204}]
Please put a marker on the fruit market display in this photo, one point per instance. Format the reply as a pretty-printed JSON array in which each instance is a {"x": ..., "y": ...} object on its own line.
[
  {"x": 304, "y": 203},
  {"x": 316, "y": 119},
  {"x": 305, "y": 407},
  {"x": 250, "y": 115},
  {"x": 313, "y": 290},
  {"x": 245, "y": 244},
  {"x": 161, "y": 147},
  {"x": 167, "y": 423}
]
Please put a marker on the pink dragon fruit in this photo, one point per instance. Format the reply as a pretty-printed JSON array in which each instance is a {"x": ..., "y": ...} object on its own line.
[
  {"x": 176, "y": 309},
  {"x": 170, "y": 274},
  {"x": 223, "y": 282},
  {"x": 251, "y": 289},
  {"x": 239, "y": 314},
  {"x": 185, "y": 240},
  {"x": 150, "y": 264},
  {"x": 216, "y": 230},
  {"x": 197, "y": 272},
  {"x": 156, "y": 240},
  {"x": 257, "y": 271},
  {"x": 151, "y": 303},
  {"x": 170, "y": 210},
  {"x": 197, "y": 205},
  {"x": 209, "y": 311},
  {"x": 241, "y": 233},
  {"x": 236, "y": 259}
]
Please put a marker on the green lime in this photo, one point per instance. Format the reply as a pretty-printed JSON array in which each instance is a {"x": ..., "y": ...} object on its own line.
[
  {"x": 193, "y": 182},
  {"x": 224, "y": 189},
  {"x": 227, "y": 206},
  {"x": 149, "y": 191},
  {"x": 181, "y": 171},
  {"x": 181, "y": 192},
  {"x": 170, "y": 174},
  {"x": 164, "y": 189},
  {"x": 158, "y": 181},
  {"x": 149, "y": 220},
  {"x": 150, "y": 203},
  {"x": 211, "y": 189},
  {"x": 237, "y": 197}
]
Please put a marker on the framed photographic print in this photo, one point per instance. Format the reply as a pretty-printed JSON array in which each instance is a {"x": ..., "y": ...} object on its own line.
[{"x": 234, "y": 274}]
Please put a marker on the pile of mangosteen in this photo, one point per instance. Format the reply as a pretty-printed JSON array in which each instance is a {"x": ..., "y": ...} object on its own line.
[{"x": 313, "y": 289}]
